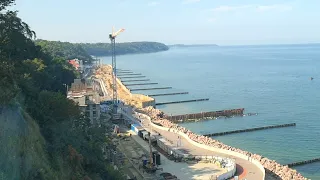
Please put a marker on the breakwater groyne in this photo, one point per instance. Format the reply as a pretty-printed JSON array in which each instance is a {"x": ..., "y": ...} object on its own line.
[
  {"x": 185, "y": 101},
  {"x": 129, "y": 77},
  {"x": 299, "y": 163},
  {"x": 130, "y": 74},
  {"x": 125, "y": 73},
  {"x": 140, "y": 84},
  {"x": 135, "y": 80},
  {"x": 251, "y": 129},
  {"x": 146, "y": 89},
  {"x": 273, "y": 170},
  {"x": 168, "y": 94},
  {"x": 206, "y": 115},
  {"x": 125, "y": 70}
]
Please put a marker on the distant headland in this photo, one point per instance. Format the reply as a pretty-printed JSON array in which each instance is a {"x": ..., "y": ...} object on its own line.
[
  {"x": 83, "y": 51},
  {"x": 104, "y": 49}
]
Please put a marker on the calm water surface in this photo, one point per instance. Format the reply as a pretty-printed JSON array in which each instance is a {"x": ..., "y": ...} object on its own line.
[{"x": 273, "y": 81}]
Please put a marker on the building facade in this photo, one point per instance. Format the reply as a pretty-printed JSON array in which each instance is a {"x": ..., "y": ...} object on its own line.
[{"x": 88, "y": 100}]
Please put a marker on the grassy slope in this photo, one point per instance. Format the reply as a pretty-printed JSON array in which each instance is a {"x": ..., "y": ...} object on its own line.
[{"x": 22, "y": 147}]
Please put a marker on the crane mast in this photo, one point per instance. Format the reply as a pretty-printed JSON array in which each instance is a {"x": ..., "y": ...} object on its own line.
[{"x": 112, "y": 37}]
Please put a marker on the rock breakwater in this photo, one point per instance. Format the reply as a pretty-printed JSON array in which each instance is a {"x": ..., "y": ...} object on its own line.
[{"x": 273, "y": 169}]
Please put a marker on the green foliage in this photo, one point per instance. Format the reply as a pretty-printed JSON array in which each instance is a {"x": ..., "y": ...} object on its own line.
[
  {"x": 64, "y": 50},
  {"x": 104, "y": 49},
  {"x": 8, "y": 88},
  {"x": 53, "y": 107},
  {"x": 14, "y": 31},
  {"x": 5, "y": 3},
  {"x": 35, "y": 78}
]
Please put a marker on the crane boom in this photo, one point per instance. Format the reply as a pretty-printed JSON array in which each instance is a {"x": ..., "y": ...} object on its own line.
[
  {"x": 115, "y": 34},
  {"x": 118, "y": 32}
]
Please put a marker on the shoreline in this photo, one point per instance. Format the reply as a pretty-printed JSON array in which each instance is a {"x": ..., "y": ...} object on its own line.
[{"x": 273, "y": 169}]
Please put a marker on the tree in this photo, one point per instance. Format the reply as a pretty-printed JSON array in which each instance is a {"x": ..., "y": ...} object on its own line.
[
  {"x": 15, "y": 38},
  {"x": 64, "y": 50},
  {"x": 37, "y": 75},
  {"x": 8, "y": 88},
  {"x": 5, "y": 3}
]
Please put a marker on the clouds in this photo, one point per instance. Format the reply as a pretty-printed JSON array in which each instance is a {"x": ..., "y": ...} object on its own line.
[
  {"x": 277, "y": 7},
  {"x": 153, "y": 3},
  {"x": 190, "y": 1},
  {"x": 230, "y": 8},
  {"x": 211, "y": 20},
  {"x": 220, "y": 11},
  {"x": 258, "y": 8}
]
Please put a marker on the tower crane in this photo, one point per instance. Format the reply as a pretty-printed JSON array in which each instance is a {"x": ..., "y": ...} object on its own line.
[{"x": 112, "y": 37}]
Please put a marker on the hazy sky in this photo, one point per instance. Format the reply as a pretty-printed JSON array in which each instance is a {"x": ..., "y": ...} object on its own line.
[{"x": 223, "y": 22}]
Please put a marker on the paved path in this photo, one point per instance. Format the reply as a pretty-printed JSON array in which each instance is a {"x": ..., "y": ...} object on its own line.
[
  {"x": 252, "y": 171},
  {"x": 184, "y": 171}
]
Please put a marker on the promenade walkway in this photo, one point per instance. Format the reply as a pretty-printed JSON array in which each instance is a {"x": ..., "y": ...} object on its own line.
[
  {"x": 184, "y": 171},
  {"x": 251, "y": 171}
]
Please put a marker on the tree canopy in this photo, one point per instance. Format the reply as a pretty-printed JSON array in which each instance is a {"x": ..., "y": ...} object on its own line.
[
  {"x": 64, "y": 50},
  {"x": 83, "y": 51},
  {"x": 33, "y": 80},
  {"x": 104, "y": 49}
]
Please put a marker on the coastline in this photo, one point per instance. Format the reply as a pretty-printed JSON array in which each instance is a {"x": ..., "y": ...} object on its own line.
[{"x": 273, "y": 169}]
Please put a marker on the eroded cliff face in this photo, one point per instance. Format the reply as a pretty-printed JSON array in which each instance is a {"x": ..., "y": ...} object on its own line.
[
  {"x": 137, "y": 100},
  {"x": 22, "y": 153}
]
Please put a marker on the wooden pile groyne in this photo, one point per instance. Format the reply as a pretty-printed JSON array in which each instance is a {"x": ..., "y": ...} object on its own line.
[
  {"x": 131, "y": 74},
  {"x": 251, "y": 129},
  {"x": 168, "y": 94},
  {"x": 141, "y": 84},
  {"x": 132, "y": 77},
  {"x": 126, "y": 70},
  {"x": 125, "y": 73},
  {"x": 299, "y": 163},
  {"x": 135, "y": 80},
  {"x": 185, "y": 101},
  {"x": 206, "y": 115},
  {"x": 145, "y": 89}
]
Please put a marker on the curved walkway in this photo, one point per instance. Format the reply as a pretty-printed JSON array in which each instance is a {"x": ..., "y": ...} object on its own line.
[{"x": 252, "y": 171}]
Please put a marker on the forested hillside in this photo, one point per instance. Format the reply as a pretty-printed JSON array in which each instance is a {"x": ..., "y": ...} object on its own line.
[
  {"x": 83, "y": 51},
  {"x": 64, "y": 50},
  {"x": 42, "y": 134},
  {"x": 104, "y": 49}
]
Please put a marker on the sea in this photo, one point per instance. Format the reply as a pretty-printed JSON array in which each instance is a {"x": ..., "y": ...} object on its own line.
[{"x": 271, "y": 80}]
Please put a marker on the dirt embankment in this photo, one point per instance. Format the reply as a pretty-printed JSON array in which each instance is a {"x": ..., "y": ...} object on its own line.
[
  {"x": 23, "y": 154},
  {"x": 137, "y": 100}
]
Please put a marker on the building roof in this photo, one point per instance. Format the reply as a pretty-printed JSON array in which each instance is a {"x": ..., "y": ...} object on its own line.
[
  {"x": 74, "y": 63},
  {"x": 82, "y": 93}
]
